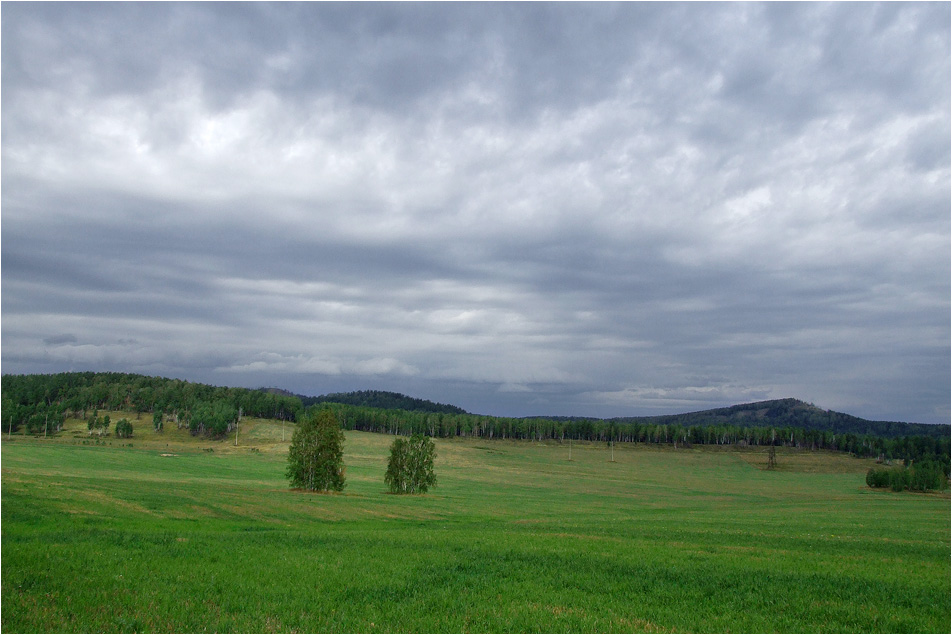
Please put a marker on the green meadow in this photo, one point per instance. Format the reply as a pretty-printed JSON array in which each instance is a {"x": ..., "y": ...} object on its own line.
[{"x": 169, "y": 533}]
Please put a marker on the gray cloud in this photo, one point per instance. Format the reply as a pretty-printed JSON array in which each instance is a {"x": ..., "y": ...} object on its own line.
[{"x": 524, "y": 209}]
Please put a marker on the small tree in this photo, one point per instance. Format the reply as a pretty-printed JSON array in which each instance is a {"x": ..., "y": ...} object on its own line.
[
  {"x": 772, "y": 458},
  {"x": 97, "y": 424},
  {"x": 927, "y": 476},
  {"x": 316, "y": 456},
  {"x": 123, "y": 429},
  {"x": 157, "y": 418},
  {"x": 878, "y": 477},
  {"x": 900, "y": 480},
  {"x": 410, "y": 468},
  {"x": 396, "y": 476}
]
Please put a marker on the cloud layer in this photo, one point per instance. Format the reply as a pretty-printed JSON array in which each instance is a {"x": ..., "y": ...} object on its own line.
[{"x": 522, "y": 209}]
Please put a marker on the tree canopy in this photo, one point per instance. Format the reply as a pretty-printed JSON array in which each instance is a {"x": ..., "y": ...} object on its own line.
[
  {"x": 316, "y": 456},
  {"x": 410, "y": 468},
  {"x": 383, "y": 399}
]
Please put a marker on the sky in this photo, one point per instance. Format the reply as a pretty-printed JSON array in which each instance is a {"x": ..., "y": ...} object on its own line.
[{"x": 520, "y": 209}]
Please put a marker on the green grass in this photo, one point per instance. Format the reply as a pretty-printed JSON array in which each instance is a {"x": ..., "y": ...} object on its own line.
[{"x": 514, "y": 538}]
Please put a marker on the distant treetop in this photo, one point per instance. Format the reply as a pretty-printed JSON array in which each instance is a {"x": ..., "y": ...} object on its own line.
[{"x": 385, "y": 400}]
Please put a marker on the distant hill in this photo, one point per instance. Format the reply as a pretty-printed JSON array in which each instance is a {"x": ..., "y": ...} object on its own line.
[
  {"x": 279, "y": 391},
  {"x": 383, "y": 399},
  {"x": 797, "y": 414},
  {"x": 776, "y": 413}
]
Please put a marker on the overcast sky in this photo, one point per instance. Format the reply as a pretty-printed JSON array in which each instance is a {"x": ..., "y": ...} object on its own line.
[{"x": 577, "y": 209}]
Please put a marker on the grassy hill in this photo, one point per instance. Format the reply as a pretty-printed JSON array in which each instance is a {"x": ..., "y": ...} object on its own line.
[{"x": 168, "y": 532}]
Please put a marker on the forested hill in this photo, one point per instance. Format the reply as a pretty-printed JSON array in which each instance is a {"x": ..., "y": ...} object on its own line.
[
  {"x": 793, "y": 413},
  {"x": 385, "y": 400},
  {"x": 41, "y": 404}
]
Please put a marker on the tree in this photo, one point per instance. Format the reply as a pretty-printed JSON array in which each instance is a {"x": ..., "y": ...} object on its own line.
[
  {"x": 123, "y": 429},
  {"x": 7, "y": 410},
  {"x": 157, "y": 417},
  {"x": 878, "y": 477},
  {"x": 927, "y": 476},
  {"x": 212, "y": 418},
  {"x": 410, "y": 468},
  {"x": 772, "y": 458},
  {"x": 316, "y": 456},
  {"x": 97, "y": 424}
]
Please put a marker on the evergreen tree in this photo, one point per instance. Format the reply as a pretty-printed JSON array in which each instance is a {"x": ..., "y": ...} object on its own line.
[{"x": 316, "y": 456}]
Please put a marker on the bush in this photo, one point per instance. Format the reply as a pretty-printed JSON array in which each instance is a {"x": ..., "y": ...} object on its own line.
[
  {"x": 410, "y": 468},
  {"x": 316, "y": 457}
]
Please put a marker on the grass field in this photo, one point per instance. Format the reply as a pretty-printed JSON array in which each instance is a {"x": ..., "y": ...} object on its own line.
[{"x": 171, "y": 533}]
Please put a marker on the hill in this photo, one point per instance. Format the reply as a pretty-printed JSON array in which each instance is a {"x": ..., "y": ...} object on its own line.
[
  {"x": 383, "y": 399},
  {"x": 793, "y": 413}
]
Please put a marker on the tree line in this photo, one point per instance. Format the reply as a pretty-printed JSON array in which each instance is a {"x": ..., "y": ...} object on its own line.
[
  {"x": 42, "y": 402},
  {"x": 924, "y": 476},
  {"x": 406, "y": 423}
]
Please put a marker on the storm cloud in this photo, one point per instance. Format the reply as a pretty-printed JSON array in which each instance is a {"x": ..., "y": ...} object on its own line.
[{"x": 588, "y": 209}]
